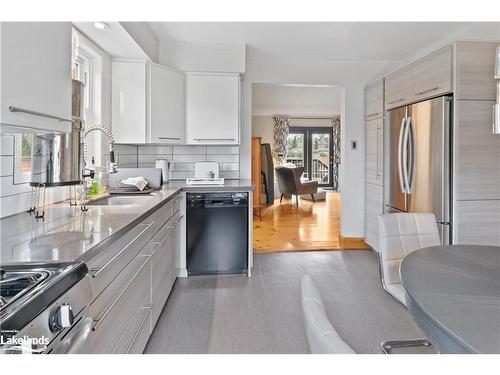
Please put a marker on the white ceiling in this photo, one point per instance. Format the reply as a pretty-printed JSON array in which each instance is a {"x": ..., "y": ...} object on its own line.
[
  {"x": 269, "y": 100},
  {"x": 384, "y": 41}
]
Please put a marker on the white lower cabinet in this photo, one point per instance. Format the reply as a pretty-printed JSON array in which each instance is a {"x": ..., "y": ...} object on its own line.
[
  {"x": 374, "y": 206},
  {"x": 132, "y": 280}
]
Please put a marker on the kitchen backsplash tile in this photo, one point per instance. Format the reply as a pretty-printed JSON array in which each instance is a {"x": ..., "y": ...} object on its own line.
[{"x": 182, "y": 158}]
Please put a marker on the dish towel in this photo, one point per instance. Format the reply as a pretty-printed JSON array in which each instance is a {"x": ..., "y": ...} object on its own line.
[{"x": 139, "y": 182}]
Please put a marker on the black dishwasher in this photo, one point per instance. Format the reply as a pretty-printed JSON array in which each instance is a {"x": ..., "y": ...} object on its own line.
[{"x": 217, "y": 233}]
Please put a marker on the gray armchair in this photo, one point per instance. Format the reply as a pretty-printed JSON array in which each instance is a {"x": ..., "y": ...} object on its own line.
[{"x": 289, "y": 183}]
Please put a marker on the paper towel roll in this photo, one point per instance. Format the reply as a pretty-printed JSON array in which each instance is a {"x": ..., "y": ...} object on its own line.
[{"x": 163, "y": 165}]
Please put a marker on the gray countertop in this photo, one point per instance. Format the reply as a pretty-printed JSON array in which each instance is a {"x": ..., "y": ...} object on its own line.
[
  {"x": 453, "y": 292},
  {"x": 67, "y": 234}
]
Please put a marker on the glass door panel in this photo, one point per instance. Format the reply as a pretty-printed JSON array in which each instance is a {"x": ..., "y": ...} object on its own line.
[
  {"x": 320, "y": 158},
  {"x": 296, "y": 152}
]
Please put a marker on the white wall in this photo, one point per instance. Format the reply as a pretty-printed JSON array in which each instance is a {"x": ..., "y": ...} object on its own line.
[
  {"x": 204, "y": 57},
  {"x": 145, "y": 37},
  {"x": 352, "y": 76}
]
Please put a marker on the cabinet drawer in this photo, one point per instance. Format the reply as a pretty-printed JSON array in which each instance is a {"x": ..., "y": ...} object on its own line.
[
  {"x": 398, "y": 88},
  {"x": 141, "y": 338},
  {"x": 432, "y": 75},
  {"x": 131, "y": 331},
  {"x": 107, "y": 267},
  {"x": 374, "y": 99},
  {"x": 112, "y": 319}
]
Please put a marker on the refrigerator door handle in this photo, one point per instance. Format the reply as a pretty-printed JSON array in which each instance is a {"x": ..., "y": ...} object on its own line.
[
  {"x": 405, "y": 148},
  {"x": 400, "y": 151},
  {"x": 410, "y": 147}
]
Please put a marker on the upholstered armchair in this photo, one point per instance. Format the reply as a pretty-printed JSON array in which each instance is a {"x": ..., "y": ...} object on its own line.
[{"x": 289, "y": 183}]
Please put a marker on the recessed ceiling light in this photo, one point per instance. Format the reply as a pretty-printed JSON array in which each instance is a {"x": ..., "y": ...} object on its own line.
[{"x": 101, "y": 25}]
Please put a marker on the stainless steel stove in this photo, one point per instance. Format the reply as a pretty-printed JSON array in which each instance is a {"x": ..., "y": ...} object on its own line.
[{"x": 43, "y": 308}]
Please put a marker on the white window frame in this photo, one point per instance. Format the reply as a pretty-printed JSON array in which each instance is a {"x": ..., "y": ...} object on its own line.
[{"x": 19, "y": 177}]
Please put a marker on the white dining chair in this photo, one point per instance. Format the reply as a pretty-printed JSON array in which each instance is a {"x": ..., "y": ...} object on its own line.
[
  {"x": 322, "y": 337},
  {"x": 399, "y": 235}
]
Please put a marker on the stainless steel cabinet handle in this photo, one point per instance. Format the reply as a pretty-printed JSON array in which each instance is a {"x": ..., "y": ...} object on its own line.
[
  {"x": 97, "y": 271},
  {"x": 174, "y": 138},
  {"x": 397, "y": 101},
  {"x": 137, "y": 333},
  {"x": 426, "y": 91},
  {"x": 374, "y": 114},
  {"x": 172, "y": 228},
  {"x": 214, "y": 139},
  {"x": 40, "y": 114},
  {"x": 98, "y": 322}
]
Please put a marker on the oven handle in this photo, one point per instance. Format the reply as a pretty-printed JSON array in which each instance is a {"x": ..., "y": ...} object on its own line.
[{"x": 78, "y": 340}]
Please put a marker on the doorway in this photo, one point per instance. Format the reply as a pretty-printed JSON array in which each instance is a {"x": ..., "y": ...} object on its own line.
[
  {"x": 297, "y": 124},
  {"x": 312, "y": 148}
]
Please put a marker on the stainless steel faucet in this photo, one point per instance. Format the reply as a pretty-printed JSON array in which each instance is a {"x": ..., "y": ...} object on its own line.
[{"x": 111, "y": 141}]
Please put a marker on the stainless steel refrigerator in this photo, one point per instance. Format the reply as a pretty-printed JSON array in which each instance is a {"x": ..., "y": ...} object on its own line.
[{"x": 419, "y": 161}]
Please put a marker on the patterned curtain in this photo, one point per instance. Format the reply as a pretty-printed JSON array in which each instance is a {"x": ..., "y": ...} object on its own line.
[
  {"x": 281, "y": 129},
  {"x": 336, "y": 151}
]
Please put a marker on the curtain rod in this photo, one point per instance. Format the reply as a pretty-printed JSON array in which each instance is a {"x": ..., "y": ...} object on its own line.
[{"x": 311, "y": 118}]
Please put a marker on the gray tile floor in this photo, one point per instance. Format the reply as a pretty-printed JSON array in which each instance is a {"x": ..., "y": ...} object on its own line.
[{"x": 262, "y": 314}]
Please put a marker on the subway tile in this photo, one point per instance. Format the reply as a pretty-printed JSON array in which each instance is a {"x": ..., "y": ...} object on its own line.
[
  {"x": 229, "y": 166},
  {"x": 182, "y": 175},
  {"x": 230, "y": 174},
  {"x": 182, "y": 167},
  {"x": 155, "y": 150},
  {"x": 7, "y": 186},
  {"x": 188, "y": 158},
  {"x": 126, "y": 149},
  {"x": 224, "y": 158},
  {"x": 147, "y": 158},
  {"x": 223, "y": 150},
  {"x": 127, "y": 159},
  {"x": 146, "y": 165},
  {"x": 7, "y": 145},
  {"x": 6, "y": 165},
  {"x": 183, "y": 150}
]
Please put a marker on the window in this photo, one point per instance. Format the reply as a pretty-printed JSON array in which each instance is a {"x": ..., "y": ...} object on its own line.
[{"x": 23, "y": 144}]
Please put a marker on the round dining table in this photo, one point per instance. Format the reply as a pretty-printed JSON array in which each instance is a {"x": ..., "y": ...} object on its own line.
[{"x": 453, "y": 293}]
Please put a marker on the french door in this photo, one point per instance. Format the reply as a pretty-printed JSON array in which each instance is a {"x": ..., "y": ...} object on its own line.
[{"x": 311, "y": 147}]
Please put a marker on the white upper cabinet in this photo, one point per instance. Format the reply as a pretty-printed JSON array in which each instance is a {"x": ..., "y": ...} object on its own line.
[
  {"x": 35, "y": 65},
  {"x": 147, "y": 103},
  {"x": 398, "y": 90},
  {"x": 128, "y": 102},
  {"x": 432, "y": 75},
  {"x": 167, "y": 122},
  {"x": 212, "y": 108},
  {"x": 374, "y": 99}
]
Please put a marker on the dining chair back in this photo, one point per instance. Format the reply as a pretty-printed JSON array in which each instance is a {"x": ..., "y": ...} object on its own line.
[
  {"x": 399, "y": 235},
  {"x": 322, "y": 337}
]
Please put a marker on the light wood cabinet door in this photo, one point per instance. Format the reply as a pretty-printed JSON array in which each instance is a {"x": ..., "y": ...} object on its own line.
[
  {"x": 374, "y": 151},
  {"x": 477, "y": 164},
  {"x": 478, "y": 222},
  {"x": 475, "y": 71},
  {"x": 35, "y": 75},
  {"x": 212, "y": 108},
  {"x": 374, "y": 206},
  {"x": 432, "y": 75},
  {"x": 166, "y": 98},
  {"x": 374, "y": 99},
  {"x": 128, "y": 102},
  {"x": 398, "y": 88}
]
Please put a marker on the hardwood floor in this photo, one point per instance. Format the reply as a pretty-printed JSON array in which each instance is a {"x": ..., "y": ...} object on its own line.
[{"x": 311, "y": 226}]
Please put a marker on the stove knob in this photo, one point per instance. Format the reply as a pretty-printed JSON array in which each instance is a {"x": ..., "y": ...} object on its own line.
[{"x": 62, "y": 318}]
